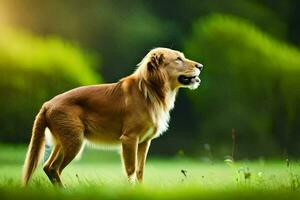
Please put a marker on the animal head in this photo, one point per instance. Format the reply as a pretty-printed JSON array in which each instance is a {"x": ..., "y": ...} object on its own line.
[{"x": 167, "y": 66}]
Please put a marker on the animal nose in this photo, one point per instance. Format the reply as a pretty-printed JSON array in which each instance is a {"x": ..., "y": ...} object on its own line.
[{"x": 199, "y": 66}]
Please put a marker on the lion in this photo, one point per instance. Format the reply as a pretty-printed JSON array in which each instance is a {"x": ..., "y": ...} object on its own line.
[{"x": 128, "y": 113}]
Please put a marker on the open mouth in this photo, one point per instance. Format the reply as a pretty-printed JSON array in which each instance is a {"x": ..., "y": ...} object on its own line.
[{"x": 187, "y": 80}]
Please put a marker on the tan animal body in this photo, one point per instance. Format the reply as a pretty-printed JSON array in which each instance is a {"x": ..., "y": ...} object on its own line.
[{"x": 129, "y": 113}]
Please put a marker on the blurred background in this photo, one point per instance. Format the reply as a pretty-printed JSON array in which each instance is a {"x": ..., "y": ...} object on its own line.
[{"x": 248, "y": 105}]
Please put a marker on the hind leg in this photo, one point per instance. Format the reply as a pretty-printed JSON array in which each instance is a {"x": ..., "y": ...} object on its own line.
[
  {"x": 52, "y": 164},
  {"x": 71, "y": 147},
  {"x": 68, "y": 133},
  {"x": 62, "y": 155}
]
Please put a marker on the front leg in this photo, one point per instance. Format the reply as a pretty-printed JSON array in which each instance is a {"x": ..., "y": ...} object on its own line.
[
  {"x": 142, "y": 155},
  {"x": 129, "y": 156}
]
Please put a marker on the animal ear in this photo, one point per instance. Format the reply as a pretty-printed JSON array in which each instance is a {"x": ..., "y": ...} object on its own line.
[{"x": 155, "y": 61}]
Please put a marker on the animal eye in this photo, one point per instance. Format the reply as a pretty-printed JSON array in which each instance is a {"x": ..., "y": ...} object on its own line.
[{"x": 179, "y": 58}]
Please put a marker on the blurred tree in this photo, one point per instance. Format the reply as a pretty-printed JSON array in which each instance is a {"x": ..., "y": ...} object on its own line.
[
  {"x": 122, "y": 32},
  {"x": 33, "y": 70},
  {"x": 252, "y": 85},
  {"x": 112, "y": 28},
  {"x": 184, "y": 13},
  {"x": 288, "y": 12}
]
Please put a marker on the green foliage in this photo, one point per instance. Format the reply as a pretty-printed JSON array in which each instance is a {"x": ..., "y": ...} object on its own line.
[
  {"x": 250, "y": 82},
  {"x": 112, "y": 28},
  {"x": 117, "y": 29},
  {"x": 32, "y": 70},
  {"x": 109, "y": 28}
]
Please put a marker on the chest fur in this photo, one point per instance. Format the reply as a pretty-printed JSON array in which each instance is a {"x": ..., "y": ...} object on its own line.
[
  {"x": 158, "y": 110},
  {"x": 161, "y": 115},
  {"x": 162, "y": 123}
]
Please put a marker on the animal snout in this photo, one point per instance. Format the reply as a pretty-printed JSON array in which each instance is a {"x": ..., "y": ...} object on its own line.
[{"x": 199, "y": 66}]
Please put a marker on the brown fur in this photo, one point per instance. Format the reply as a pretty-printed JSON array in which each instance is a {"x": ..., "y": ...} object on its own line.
[{"x": 129, "y": 113}]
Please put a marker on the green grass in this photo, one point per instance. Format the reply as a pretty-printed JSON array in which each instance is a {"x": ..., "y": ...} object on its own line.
[{"x": 98, "y": 175}]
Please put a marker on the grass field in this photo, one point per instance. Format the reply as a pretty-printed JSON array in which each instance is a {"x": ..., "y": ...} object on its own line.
[{"x": 98, "y": 175}]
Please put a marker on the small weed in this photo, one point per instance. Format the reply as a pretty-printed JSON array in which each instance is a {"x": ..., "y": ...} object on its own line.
[{"x": 184, "y": 172}]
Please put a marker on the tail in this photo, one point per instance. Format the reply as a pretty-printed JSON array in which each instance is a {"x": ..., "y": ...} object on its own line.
[{"x": 36, "y": 143}]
